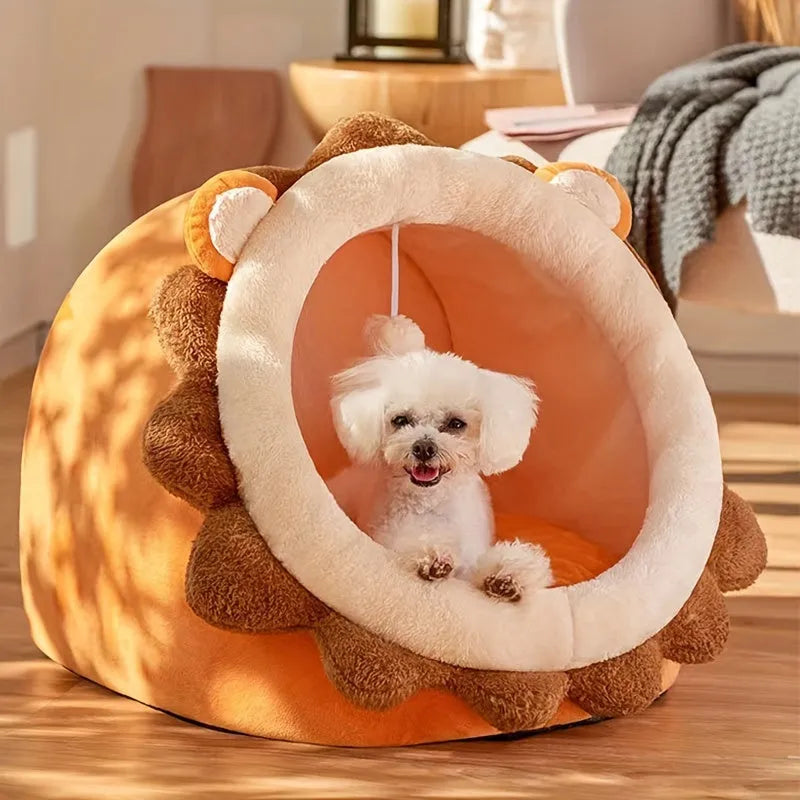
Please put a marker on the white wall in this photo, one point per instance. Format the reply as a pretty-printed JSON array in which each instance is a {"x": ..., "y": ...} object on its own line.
[
  {"x": 21, "y": 105},
  {"x": 74, "y": 70}
]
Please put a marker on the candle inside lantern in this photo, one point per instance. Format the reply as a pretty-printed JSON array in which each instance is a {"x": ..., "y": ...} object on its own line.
[{"x": 404, "y": 19}]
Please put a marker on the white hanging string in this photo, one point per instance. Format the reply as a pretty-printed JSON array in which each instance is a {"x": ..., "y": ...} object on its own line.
[{"x": 395, "y": 305}]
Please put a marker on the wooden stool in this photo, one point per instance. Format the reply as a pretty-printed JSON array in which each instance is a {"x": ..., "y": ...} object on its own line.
[{"x": 446, "y": 102}]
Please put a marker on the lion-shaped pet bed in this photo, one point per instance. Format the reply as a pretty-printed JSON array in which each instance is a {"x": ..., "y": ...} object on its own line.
[{"x": 179, "y": 543}]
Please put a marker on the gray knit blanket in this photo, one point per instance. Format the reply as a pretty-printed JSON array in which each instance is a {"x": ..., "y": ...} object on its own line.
[{"x": 709, "y": 135}]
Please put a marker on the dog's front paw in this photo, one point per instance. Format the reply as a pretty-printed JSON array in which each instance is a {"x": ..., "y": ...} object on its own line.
[
  {"x": 503, "y": 587},
  {"x": 434, "y": 567},
  {"x": 509, "y": 570}
]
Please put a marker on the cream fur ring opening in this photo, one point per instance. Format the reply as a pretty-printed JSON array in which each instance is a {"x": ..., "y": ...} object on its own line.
[{"x": 571, "y": 248}]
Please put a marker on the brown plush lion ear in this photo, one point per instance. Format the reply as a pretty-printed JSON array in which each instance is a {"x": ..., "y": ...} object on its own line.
[
  {"x": 594, "y": 188},
  {"x": 222, "y": 215}
]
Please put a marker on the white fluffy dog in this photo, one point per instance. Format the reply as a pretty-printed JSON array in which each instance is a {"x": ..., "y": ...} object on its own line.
[{"x": 421, "y": 428}]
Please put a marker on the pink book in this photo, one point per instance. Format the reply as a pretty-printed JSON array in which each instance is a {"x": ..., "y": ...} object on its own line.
[{"x": 557, "y": 122}]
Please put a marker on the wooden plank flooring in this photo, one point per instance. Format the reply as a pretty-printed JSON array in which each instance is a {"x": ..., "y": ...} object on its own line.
[{"x": 727, "y": 731}]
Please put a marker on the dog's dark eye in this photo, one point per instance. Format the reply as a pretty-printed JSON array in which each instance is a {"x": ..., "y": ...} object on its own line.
[
  {"x": 456, "y": 424},
  {"x": 400, "y": 421}
]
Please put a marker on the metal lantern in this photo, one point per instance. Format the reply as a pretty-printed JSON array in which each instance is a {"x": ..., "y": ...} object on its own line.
[{"x": 424, "y": 31}]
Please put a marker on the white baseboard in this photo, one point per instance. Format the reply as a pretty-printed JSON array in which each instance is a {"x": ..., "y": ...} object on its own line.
[
  {"x": 23, "y": 350},
  {"x": 749, "y": 374},
  {"x": 741, "y": 351},
  {"x": 730, "y": 331}
]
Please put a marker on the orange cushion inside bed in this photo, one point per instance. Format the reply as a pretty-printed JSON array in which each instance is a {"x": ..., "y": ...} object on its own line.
[{"x": 573, "y": 558}]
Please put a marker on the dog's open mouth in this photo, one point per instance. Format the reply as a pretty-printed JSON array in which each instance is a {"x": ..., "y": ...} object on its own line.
[{"x": 425, "y": 474}]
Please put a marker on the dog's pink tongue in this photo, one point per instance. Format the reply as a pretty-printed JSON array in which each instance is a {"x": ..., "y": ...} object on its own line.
[{"x": 423, "y": 472}]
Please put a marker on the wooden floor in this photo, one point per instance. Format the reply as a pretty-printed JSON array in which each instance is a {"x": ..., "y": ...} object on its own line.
[{"x": 728, "y": 730}]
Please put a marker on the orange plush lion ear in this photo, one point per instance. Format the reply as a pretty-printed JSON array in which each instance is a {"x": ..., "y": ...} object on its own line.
[
  {"x": 594, "y": 188},
  {"x": 222, "y": 215}
]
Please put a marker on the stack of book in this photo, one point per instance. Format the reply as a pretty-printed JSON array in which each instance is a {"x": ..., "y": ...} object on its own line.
[{"x": 531, "y": 124}]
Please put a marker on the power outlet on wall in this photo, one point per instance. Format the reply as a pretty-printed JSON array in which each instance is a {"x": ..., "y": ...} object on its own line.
[{"x": 21, "y": 178}]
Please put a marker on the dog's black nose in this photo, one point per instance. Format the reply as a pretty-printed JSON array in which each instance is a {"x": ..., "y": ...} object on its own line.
[{"x": 424, "y": 449}]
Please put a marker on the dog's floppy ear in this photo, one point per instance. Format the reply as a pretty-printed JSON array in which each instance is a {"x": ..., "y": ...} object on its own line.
[
  {"x": 509, "y": 408},
  {"x": 358, "y": 406}
]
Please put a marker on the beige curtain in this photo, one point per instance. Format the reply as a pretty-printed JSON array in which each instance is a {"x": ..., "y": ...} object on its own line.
[{"x": 775, "y": 21}]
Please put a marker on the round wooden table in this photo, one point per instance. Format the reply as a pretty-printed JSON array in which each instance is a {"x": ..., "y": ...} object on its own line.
[{"x": 446, "y": 102}]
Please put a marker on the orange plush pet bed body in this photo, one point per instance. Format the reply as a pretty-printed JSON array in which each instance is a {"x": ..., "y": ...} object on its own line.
[{"x": 179, "y": 543}]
